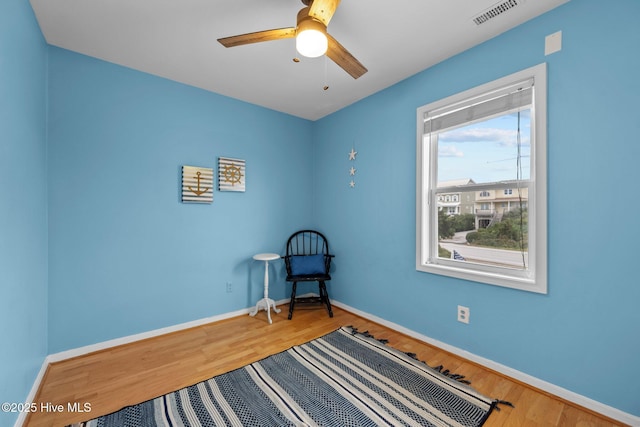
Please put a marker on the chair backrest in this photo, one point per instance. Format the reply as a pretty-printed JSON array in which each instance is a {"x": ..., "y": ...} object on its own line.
[
  {"x": 307, "y": 242},
  {"x": 308, "y": 256}
]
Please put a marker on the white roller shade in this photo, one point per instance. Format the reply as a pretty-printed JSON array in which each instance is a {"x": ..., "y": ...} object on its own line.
[{"x": 510, "y": 98}]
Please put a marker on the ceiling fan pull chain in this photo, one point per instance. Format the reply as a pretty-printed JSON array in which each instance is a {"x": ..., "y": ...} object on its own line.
[
  {"x": 295, "y": 58},
  {"x": 326, "y": 83}
]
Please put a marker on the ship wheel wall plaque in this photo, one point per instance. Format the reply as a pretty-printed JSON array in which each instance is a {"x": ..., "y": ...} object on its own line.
[
  {"x": 231, "y": 174},
  {"x": 197, "y": 184}
]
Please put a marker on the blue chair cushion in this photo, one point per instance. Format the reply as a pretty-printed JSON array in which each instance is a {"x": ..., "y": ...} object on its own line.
[{"x": 307, "y": 264}]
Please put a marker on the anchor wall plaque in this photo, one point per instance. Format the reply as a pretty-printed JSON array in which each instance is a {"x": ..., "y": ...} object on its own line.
[
  {"x": 197, "y": 184},
  {"x": 231, "y": 174}
]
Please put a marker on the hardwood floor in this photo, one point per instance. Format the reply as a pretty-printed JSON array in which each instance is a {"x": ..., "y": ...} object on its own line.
[{"x": 111, "y": 379}]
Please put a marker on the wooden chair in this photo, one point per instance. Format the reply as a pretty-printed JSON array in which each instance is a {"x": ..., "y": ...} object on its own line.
[{"x": 308, "y": 259}]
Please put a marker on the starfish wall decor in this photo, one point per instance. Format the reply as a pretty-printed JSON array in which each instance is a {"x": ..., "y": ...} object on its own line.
[{"x": 352, "y": 171}]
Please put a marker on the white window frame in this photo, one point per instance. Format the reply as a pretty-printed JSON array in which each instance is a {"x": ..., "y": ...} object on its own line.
[{"x": 534, "y": 279}]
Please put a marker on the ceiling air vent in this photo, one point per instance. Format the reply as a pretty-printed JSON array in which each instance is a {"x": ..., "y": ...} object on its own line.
[{"x": 495, "y": 10}]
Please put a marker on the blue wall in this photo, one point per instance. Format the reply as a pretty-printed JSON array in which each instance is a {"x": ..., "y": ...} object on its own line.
[
  {"x": 126, "y": 255},
  {"x": 23, "y": 202},
  {"x": 120, "y": 254},
  {"x": 583, "y": 335}
]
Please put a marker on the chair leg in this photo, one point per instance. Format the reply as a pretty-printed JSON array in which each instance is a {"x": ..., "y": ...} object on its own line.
[
  {"x": 324, "y": 296},
  {"x": 293, "y": 299}
]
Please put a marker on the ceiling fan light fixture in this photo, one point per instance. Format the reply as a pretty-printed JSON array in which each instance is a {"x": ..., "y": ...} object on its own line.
[{"x": 311, "y": 38}]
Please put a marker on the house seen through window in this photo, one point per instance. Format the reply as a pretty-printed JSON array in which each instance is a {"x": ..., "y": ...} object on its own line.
[{"x": 481, "y": 199}]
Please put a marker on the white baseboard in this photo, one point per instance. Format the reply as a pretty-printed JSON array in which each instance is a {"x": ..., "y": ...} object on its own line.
[
  {"x": 32, "y": 393},
  {"x": 563, "y": 393},
  {"x": 68, "y": 354}
]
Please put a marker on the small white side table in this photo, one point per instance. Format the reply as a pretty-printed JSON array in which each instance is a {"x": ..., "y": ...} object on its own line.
[{"x": 265, "y": 302}]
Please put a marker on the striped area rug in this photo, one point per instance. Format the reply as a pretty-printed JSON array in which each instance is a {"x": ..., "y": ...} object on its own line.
[{"x": 341, "y": 379}]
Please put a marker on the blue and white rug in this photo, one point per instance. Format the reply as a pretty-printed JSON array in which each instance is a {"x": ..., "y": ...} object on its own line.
[{"x": 344, "y": 378}]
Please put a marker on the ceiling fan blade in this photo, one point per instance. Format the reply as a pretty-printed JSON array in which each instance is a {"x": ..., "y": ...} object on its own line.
[
  {"x": 323, "y": 10},
  {"x": 259, "y": 36},
  {"x": 341, "y": 56}
]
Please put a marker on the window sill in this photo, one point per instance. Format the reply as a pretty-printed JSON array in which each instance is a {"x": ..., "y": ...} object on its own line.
[{"x": 520, "y": 283}]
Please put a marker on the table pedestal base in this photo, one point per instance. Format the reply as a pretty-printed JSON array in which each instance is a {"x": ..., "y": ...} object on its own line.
[{"x": 265, "y": 304}]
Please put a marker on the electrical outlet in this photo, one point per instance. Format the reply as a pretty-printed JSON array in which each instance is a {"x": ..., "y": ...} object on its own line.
[
  {"x": 229, "y": 287},
  {"x": 463, "y": 314}
]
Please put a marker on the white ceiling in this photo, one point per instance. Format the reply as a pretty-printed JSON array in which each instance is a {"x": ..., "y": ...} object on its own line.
[{"x": 177, "y": 39}]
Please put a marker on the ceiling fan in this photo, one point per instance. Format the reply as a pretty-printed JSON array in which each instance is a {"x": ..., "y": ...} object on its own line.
[{"x": 312, "y": 39}]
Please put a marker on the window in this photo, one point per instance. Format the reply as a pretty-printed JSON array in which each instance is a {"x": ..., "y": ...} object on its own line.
[{"x": 489, "y": 141}]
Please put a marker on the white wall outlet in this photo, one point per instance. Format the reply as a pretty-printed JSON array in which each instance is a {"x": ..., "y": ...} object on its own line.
[
  {"x": 229, "y": 287},
  {"x": 463, "y": 314}
]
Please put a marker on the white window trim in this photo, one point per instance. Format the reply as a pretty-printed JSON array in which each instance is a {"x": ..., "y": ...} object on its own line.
[{"x": 537, "y": 222}]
